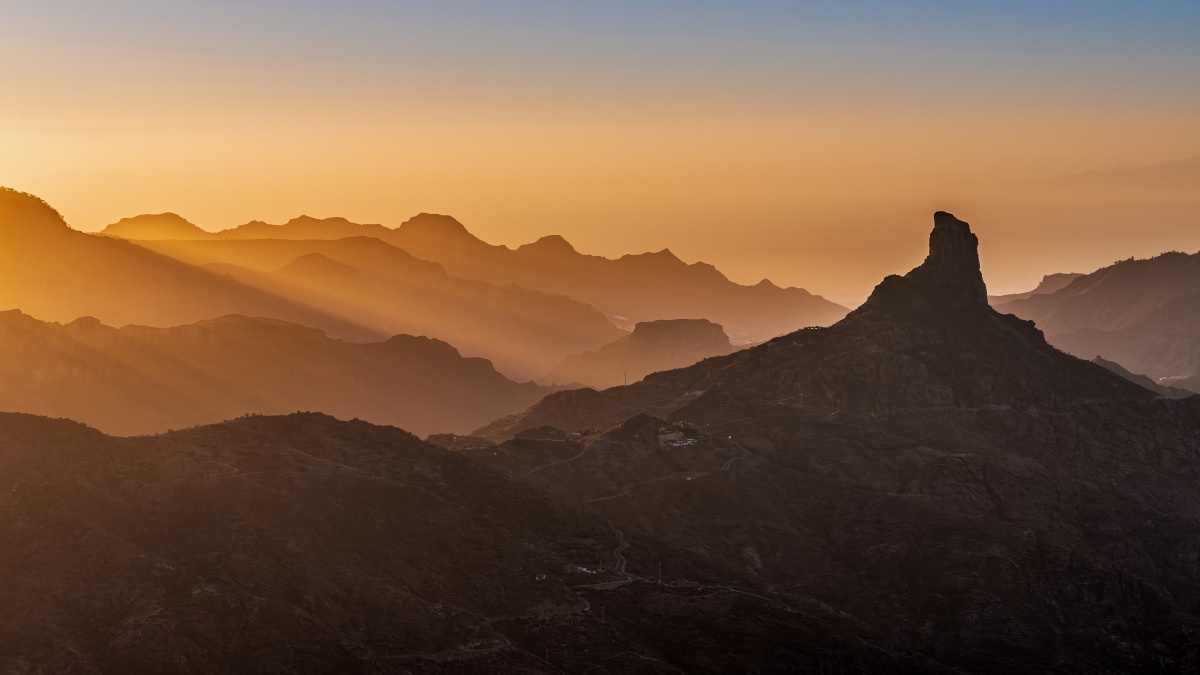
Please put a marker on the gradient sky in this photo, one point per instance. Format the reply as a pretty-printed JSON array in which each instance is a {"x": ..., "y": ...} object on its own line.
[{"x": 805, "y": 142}]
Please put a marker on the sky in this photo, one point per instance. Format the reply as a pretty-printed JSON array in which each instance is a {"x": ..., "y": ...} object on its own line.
[{"x": 805, "y": 142}]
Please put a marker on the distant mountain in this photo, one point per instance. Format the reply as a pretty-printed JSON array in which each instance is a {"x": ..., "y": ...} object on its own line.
[
  {"x": 1160, "y": 389},
  {"x": 138, "y": 380},
  {"x": 633, "y": 288},
  {"x": 156, "y": 226},
  {"x": 1049, "y": 284},
  {"x": 642, "y": 287},
  {"x": 1171, "y": 176},
  {"x": 651, "y": 347},
  {"x": 59, "y": 274},
  {"x": 1141, "y": 314},
  {"x": 168, "y": 226},
  {"x": 375, "y": 284}
]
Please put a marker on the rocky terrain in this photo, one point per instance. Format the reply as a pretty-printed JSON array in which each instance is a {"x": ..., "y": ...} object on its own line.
[
  {"x": 140, "y": 380},
  {"x": 651, "y": 347}
]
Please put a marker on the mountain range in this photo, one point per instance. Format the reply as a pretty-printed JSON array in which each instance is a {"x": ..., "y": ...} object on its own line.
[
  {"x": 926, "y": 486},
  {"x": 629, "y": 289},
  {"x": 141, "y": 380},
  {"x": 1138, "y": 313},
  {"x": 375, "y": 284}
]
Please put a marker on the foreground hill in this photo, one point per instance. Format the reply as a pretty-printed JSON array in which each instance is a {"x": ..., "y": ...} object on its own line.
[
  {"x": 139, "y": 380},
  {"x": 375, "y": 284},
  {"x": 302, "y": 544},
  {"x": 927, "y": 466},
  {"x": 60, "y": 274},
  {"x": 633, "y": 288},
  {"x": 651, "y": 347},
  {"x": 1141, "y": 314}
]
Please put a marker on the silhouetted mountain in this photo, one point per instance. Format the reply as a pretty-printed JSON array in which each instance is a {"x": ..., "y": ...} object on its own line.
[
  {"x": 1049, "y": 284},
  {"x": 138, "y": 380},
  {"x": 651, "y": 347},
  {"x": 375, "y": 284},
  {"x": 307, "y": 545},
  {"x": 1141, "y": 314},
  {"x": 926, "y": 339},
  {"x": 631, "y": 289},
  {"x": 643, "y": 287},
  {"x": 54, "y": 272},
  {"x": 304, "y": 227},
  {"x": 927, "y": 466},
  {"x": 1161, "y": 390},
  {"x": 156, "y": 226}
]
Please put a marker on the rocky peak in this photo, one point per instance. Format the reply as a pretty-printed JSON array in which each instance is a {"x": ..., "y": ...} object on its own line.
[
  {"x": 953, "y": 261},
  {"x": 949, "y": 278}
]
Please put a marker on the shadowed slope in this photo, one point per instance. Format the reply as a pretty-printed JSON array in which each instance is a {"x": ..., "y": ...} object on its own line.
[
  {"x": 927, "y": 467},
  {"x": 307, "y": 545},
  {"x": 1139, "y": 313},
  {"x": 138, "y": 380}
]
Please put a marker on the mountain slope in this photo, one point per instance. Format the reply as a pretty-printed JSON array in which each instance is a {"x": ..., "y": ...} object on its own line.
[
  {"x": 138, "y": 380},
  {"x": 651, "y": 347},
  {"x": 927, "y": 466},
  {"x": 641, "y": 287},
  {"x": 303, "y": 544},
  {"x": 54, "y": 272},
  {"x": 928, "y": 339},
  {"x": 1139, "y": 313},
  {"x": 1050, "y": 283},
  {"x": 633, "y": 288},
  {"x": 523, "y": 332}
]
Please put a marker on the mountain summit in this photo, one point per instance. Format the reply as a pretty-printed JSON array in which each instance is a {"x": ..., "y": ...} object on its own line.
[
  {"x": 950, "y": 277},
  {"x": 924, "y": 340}
]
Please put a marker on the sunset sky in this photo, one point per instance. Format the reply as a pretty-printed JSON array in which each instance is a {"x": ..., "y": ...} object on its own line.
[{"x": 804, "y": 142}]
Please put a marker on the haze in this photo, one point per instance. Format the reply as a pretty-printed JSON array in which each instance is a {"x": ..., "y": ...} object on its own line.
[{"x": 806, "y": 144}]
